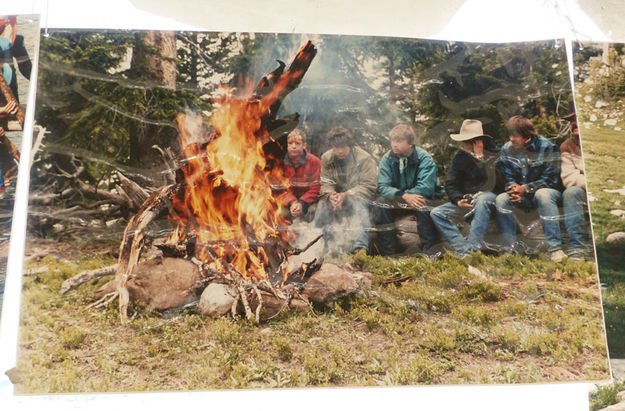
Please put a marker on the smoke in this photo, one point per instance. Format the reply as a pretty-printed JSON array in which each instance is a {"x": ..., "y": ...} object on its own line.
[
  {"x": 339, "y": 236},
  {"x": 345, "y": 85}
]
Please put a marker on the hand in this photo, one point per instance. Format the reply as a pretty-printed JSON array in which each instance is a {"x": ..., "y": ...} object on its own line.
[
  {"x": 516, "y": 193},
  {"x": 415, "y": 200},
  {"x": 296, "y": 209},
  {"x": 464, "y": 203},
  {"x": 337, "y": 199},
  {"x": 10, "y": 108}
]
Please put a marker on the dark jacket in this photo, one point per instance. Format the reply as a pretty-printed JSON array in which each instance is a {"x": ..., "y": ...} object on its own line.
[
  {"x": 536, "y": 166},
  {"x": 419, "y": 177},
  {"x": 469, "y": 175}
]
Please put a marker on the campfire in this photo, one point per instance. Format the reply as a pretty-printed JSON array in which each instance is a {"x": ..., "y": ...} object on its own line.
[{"x": 224, "y": 205}]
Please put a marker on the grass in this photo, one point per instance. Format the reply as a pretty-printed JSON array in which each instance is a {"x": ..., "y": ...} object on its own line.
[
  {"x": 603, "y": 151},
  {"x": 605, "y": 395},
  {"x": 445, "y": 325}
]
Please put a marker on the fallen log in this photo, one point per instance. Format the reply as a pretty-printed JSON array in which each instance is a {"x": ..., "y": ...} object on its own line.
[{"x": 85, "y": 276}]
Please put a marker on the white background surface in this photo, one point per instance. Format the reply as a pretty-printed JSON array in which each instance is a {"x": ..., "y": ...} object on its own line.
[{"x": 470, "y": 20}]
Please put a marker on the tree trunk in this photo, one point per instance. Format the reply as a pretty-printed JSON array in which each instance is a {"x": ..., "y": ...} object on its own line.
[{"x": 156, "y": 56}]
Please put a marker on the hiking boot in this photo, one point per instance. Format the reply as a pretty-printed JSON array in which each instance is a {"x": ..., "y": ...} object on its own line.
[{"x": 558, "y": 256}]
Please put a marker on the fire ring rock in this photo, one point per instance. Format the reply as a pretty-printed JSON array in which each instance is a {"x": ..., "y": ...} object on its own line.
[
  {"x": 216, "y": 300},
  {"x": 331, "y": 283},
  {"x": 164, "y": 283},
  {"x": 618, "y": 237}
]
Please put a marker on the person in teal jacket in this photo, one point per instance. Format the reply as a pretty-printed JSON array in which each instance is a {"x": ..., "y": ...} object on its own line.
[{"x": 408, "y": 181}]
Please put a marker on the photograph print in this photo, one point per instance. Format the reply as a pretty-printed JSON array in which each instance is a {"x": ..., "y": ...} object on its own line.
[{"x": 242, "y": 210}]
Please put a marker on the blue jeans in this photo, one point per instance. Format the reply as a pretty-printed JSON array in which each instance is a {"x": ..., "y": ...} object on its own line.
[
  {"x": 483, "y": 207},
  {"x": 345, "y": 229},
  {"x": 546, "y": 200},
  {"x": 573, "y": 203}
]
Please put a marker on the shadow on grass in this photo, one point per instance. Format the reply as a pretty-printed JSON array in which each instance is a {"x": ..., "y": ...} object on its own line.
[{"x": 612, "y": 275}]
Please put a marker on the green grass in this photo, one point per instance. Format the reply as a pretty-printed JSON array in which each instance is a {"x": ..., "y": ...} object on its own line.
[
  {"x": 603, "y": 154},
  {"x": 444, "y": 325},
  {"x": 606, "y": 395}
]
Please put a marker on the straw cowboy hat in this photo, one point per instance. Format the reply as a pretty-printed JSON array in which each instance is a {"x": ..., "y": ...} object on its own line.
[{"x": 470, "y": 129}]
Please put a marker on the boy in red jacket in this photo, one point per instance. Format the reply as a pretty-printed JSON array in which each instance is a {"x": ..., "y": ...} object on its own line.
[{"x": 303, "y": 170}]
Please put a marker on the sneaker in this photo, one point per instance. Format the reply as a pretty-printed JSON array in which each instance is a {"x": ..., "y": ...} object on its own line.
[
  {"x": 576, "y": 255},
  {"x": 490, "y": 249},
  {"x": 557, "y": 256}
]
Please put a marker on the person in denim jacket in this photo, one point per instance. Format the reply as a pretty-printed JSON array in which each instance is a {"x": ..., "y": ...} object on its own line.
[{"x": 531, "y": 167}]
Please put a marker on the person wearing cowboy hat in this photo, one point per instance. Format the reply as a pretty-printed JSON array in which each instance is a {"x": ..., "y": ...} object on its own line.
[
  {"x": 471, "y": 184},
  {"x": 531, "y": 166}
]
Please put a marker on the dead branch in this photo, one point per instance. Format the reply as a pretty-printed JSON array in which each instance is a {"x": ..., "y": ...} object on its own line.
[
  {"x": 134, "y": 191},
  {"x": 34, "y": 271},
  {"x": 236, "y": 276},
  {"x": 104, "y": 301},
  {"x": 260, "y": 302},
  {"x": 246, "y": 304},
  {"x": 50, "y": 198},
  {"x": 396, "y": 279},
  {"x": 85, "y": 276},
  {"x": 170, "y": 164},
  {"x": 297, "y": 251},
  {"x": 133, "y": 241},
  {"x": 41, "y": 132}
]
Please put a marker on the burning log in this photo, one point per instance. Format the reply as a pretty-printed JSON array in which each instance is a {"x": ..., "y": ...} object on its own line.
[{"x": 227, "y": 216}]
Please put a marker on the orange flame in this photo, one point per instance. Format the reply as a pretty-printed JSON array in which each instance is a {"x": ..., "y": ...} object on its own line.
[{"x": 228, "y": 203}]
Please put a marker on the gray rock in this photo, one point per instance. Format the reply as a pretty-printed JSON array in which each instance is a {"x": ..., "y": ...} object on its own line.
[
  {"x": 609, "y": 122},
  {"x": 363, "y": 278},
  {"x": 329, "y": 284},
  {"x": 407, "y": 234},
  {"x": 617, "y": 129},
  {"x": 216, "y": 300},
  {"x": 618, "y": 213},
  {"x": 617, "y": 237},
  {"x": 593, "y": 118},
  {"x": 601, "y": 104},
  {"x": 615, "y": 407},
  {"x": 587, "y": 99}
]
